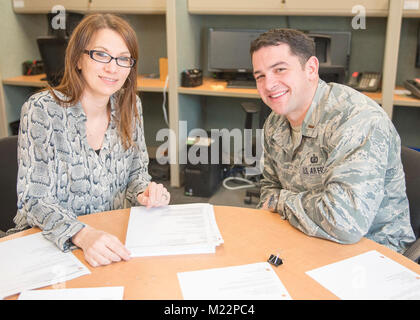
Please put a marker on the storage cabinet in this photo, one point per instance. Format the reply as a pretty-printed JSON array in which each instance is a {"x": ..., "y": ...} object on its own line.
[
  {"x": 45, "y": 6},
  {"x": 84, "y": 6},
  {"x": 287, "y": 7},
  {"x": 129, "y": 6}
]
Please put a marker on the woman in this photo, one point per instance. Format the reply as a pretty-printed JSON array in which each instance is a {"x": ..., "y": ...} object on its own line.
[{"x": 81, "y": 144}]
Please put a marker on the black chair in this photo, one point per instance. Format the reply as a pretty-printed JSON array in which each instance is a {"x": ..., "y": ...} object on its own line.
[
  {"x": 251, "y": 108},
  {"x": 411, "y": 163},
  {"x": 8, "y": 180}
]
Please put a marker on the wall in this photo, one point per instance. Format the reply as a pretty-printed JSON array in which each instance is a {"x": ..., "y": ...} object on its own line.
[
  {"x": 367, "y": 48},
  {"x": 19, "y": 32},
  {"x": 18, "y": 38}
]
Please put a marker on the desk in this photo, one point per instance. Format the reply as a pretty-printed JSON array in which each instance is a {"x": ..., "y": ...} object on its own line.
[
  {"x": 143, "y": 84},
  {"x": 215, "y": 87},
  {"x": 249, "y": 235},
  {"x": 210, "y": 87}
]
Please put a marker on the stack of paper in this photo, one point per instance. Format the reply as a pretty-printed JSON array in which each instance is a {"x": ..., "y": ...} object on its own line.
[
  {"x": 174, "y": 229},
  {"x": 33, "y": 262},
  {"x": 256, "y": 281}
]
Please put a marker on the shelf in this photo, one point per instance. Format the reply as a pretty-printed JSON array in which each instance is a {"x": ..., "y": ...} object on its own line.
[
  {"x": 150, "y": 85},
  {"x": 129, "y": 6},
  {"x": 143, "y": 84},
  {"x": 404, "y": 100},
  {"x": 27, "y": 81},
  {"x": 214, "y": 87}
]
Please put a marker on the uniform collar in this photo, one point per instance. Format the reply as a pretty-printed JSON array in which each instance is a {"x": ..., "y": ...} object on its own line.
[{"x": 313, "y": 115}]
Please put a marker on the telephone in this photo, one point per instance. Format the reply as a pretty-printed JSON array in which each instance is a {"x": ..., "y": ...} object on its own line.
[
  {"x": 365, "y": 81},
  {"x": 413, "y": 86}
]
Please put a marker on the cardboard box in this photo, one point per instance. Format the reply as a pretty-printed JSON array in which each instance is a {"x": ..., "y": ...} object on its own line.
[{"x": 163, "y": 68}]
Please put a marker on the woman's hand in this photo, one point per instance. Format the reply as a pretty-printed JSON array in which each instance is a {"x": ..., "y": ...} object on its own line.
[
  {"x": 155, "y": 195},
  {"x": 99, "y": 247}
]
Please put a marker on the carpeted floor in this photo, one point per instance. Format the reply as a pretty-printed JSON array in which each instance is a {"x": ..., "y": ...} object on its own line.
[{"x": 221, "y": 197}]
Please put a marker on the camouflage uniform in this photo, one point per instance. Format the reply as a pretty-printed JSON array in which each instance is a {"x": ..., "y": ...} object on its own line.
[{"x": 345, "y": 180}]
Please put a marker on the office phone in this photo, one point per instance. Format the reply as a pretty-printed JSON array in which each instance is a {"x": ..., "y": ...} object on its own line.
[
  {"x": 413, "y": 86},
  {"x": 365, "y": 81}
]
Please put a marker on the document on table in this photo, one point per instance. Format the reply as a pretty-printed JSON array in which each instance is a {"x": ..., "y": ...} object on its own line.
[
  {"x": 256, "y": 281},
  {"x": 32, "y": 262},
  {"x": 174, "y": 229},
  {"x": 367, "y": 276},
  {"x": 100, "y": 293}
]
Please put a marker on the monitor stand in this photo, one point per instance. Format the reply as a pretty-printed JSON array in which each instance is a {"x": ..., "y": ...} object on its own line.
[
  {"x": 243, "y": 80},
  {"x": 244, "y": 84}
]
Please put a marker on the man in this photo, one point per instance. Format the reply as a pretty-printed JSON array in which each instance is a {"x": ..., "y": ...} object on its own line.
[{"x": 332, "y": 162}]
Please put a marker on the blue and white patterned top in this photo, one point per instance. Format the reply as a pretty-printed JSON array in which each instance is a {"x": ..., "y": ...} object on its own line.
[{"x": 61, "y": 177}]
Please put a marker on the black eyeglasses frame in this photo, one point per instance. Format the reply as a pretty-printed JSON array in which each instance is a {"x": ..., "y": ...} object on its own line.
[{"x": 91, "y": 52}]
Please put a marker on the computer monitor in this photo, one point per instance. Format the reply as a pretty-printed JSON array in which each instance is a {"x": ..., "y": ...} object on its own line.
[
  {"x": 336, "y": 69},
  {"x": 417, "y": 64},
  {"x": 340, "y": 46},
  {"x": 53, "y": 51},
  {"x": 228, "y": 50},
  {"x": 322, "y": 48}
]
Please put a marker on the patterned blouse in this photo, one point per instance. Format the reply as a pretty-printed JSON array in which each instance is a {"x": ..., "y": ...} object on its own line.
[{"x": 61, "y": 177}]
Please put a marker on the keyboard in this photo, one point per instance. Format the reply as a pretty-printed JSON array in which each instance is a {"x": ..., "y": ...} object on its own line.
[{"x": 241, "y": 84}]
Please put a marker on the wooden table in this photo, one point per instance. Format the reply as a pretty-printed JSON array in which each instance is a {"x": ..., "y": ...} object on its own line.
[{"x": 249, "y": 235}]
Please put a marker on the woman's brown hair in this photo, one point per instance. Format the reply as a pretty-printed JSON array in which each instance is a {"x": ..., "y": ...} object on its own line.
[{"x": 73, "y": 82}]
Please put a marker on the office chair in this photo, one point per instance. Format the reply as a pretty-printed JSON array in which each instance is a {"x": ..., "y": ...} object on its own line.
[
  {"x": 411, "y": 164},
  {"x": 8, "y": 174},
  {"x": 250, "y": 109}
]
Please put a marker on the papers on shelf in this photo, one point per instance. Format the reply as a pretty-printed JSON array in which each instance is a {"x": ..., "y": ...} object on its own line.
[
  {"x": 33, "y": 262},
  {"x": 255, "y": 281},
  {"x": 174, "y": 229},
  {"x": 370, "y": 275},
  {"x": 101, "y": 293}
]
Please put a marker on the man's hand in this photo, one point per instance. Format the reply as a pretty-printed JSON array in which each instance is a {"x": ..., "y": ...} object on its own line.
[
  {"x": 99, "y": 247},
  {"x": 155, "y": 195},
  {"x": 270, "y": 204}
]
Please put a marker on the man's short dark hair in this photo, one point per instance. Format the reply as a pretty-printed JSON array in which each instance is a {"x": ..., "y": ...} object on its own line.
[{"x": 299, "y": 43}]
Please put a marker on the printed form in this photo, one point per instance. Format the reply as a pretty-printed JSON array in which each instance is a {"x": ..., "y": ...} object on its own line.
[
  {"x": 368, "y": 276},
  {"x": 256, "y": 281},
  {"x": 32, "y": 262},
  {"x": 174, "y": 229}
]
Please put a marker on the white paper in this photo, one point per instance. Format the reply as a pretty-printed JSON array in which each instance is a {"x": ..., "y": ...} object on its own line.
[
  {"x": 32, "y": 262},
  {"x": 256, "y": 281},
  {"x": 101, "y": 293},
  {"x": 411, "y": 5},
  {"x": 175, "y": 229},
  {"x": 18, "y": 3},
  {"x": 367, "y": 276}
]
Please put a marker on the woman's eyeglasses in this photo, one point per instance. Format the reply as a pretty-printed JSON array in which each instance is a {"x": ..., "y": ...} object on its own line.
[{"x": 103, "y": 57}]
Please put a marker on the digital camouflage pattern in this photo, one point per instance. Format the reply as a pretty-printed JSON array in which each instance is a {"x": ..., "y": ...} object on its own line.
[{"x": 345, "y": 180}]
